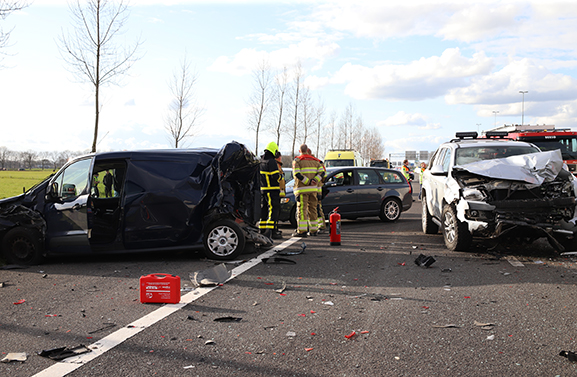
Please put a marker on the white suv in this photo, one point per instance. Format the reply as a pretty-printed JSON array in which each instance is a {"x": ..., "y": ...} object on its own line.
[{"x": 498, "y": 188}]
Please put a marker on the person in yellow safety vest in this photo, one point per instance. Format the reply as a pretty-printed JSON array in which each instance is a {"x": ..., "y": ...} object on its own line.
[
  {"x": 277, "y": 234},
  {"x": 308, "y": 172},
  {"x": 270, "y": 191},
  {"x": 405, "y": 169},
  {"x": 421, "y": 171},
  {"x": 320, "y": 213}
]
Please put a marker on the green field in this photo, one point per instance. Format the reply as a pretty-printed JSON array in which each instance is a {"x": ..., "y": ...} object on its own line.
[{"x": 12, "y": 182}]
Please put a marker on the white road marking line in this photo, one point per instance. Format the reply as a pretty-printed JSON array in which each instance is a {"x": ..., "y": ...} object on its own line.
[{"x": 62, "y": 368}]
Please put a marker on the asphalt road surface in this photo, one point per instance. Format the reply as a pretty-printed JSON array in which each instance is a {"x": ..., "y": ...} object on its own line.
[{"x": 360, "y": 309}]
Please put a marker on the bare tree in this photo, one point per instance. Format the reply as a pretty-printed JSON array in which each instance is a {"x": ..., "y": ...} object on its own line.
[
  {"x": 5, "y": 155},
  {"x": 308, "y": 114},
  {"x": 6, "y": 8},
  {"x": 345, "y": 128},
  {"x": 278, "y": 100},
  {"x": 90, "y": 49},
  {"x": 319, "y": 118},
  {"x": 296, "y": 88},
  {"x": 332, "y": 131},
  {"x": 259, "y": 99},
  {"x": 28, "y": 158},
  {"x": 372, "y": 142},
  {"x": 184, "y": 111}
]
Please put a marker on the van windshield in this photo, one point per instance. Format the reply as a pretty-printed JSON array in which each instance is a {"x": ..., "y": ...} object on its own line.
[{"x": 332, "y": 163}]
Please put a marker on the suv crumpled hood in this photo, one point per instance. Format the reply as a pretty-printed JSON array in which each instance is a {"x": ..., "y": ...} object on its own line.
[{"x": 534, "y": 168}]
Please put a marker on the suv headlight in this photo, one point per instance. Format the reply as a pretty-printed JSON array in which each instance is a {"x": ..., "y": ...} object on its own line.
[{"x": 473, "y": 194}]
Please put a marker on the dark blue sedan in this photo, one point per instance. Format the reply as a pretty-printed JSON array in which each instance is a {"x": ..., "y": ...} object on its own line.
[{"x": 358, "y": 192}]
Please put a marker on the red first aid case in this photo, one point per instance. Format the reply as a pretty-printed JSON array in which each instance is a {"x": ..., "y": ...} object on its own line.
[{"x": 160, "y": 289}]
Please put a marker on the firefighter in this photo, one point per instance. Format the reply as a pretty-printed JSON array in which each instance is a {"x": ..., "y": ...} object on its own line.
[
  {"x": 270, "y": 191},
  {"x": 308, "y": 172},
  {"x": 406, "y": 170},
  {"x": 277, "y": 234}
]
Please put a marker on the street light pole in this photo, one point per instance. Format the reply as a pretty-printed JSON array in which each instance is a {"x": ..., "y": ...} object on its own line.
[
  {"x": 523, "y": 110},
  {"x": 495, "y": 112}
]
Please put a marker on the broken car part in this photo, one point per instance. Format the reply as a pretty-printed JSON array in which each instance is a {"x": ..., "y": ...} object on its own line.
[
  {"x": 210, "y": 277},
  {"x": 424, "y": 261},
  {"x": 62, "y": 353}
]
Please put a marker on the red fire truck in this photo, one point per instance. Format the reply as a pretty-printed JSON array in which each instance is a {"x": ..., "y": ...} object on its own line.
[{"x": 547, "y": 138}]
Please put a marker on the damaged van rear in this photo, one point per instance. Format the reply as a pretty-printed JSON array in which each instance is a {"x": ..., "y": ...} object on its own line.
[
  {"x": 136, "y": 201},
  {"x": 498, "y": 189}
]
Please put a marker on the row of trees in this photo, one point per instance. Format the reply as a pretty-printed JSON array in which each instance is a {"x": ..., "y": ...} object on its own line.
[
  {"x": 282, "y": 106},
  {"x": 14, "y": 160}
]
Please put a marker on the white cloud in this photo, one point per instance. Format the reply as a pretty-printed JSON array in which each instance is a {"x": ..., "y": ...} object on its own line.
[
  {"x": 311, "y": 52},
  {"x": 503, "y": 86},
  {"x": 404, "y": 119},
  {"x": 418, "y": 80}
]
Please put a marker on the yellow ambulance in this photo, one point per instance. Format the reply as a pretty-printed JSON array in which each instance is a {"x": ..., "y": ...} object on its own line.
[{"x": 347, "y": 157}]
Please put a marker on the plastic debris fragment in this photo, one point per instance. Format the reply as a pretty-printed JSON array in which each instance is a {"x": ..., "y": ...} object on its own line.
[
  {"x": 349, "y": 336},
  {"x": 228, "y": 319},
  {"x": 15, "y": 356},
  {"x": 211, "y": 276},
  {"x": 20, "y": 302},
  {"x": 424, "y": 261},
  {"x": 571, "y": 356},
  {"x": 62, "y": 353},
  {"x": 282, "y": 289}
]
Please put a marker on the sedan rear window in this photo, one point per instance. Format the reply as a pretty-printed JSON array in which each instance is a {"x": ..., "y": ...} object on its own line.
[{"x": 391, "y": 177}]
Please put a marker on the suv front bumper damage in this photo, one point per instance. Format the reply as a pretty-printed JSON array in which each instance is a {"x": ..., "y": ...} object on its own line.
[{"x": 538, "y": 202}]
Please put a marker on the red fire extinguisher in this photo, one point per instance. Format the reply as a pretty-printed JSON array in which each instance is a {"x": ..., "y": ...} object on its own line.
[{"x": 335, "y": 222}]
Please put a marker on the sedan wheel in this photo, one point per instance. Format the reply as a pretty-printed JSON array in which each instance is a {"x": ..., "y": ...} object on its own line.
[{"x": 390, "y": 210}]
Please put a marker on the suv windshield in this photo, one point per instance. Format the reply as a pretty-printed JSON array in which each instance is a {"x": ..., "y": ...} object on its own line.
[{"x": 468, "y": 155}]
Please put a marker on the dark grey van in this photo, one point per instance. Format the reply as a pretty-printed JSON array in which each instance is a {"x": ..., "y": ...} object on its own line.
[{"x": 138, "y": 201}]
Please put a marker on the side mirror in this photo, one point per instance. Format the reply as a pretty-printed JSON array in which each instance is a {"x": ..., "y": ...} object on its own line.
[
  {"x": 52, "y": 193},
  {"x": 68, "y": 190},
  {"x": 331, "y": 184},
  {"x": 438, "y": 170}
]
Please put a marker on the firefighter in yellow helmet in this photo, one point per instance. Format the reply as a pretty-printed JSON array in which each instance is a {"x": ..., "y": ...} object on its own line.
[{"x": 270, "y": 191}]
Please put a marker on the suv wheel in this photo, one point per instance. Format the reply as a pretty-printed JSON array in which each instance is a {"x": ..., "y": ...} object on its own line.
[
  {"x": 429, "y": 227},
  {"x": 390, "y": 210},
  {"x": 455, "y": 233},
  {"x": 223, "y": 239},
  {"x": 22, "y": 246}
]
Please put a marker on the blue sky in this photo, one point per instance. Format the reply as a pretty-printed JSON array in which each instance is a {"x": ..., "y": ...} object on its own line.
[{"x": 418, "y": 71}]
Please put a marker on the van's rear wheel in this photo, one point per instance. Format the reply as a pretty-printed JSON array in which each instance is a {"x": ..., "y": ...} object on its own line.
[
  {"x": 22, "y": 246},
  {"x": 223, "y": 239}
]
